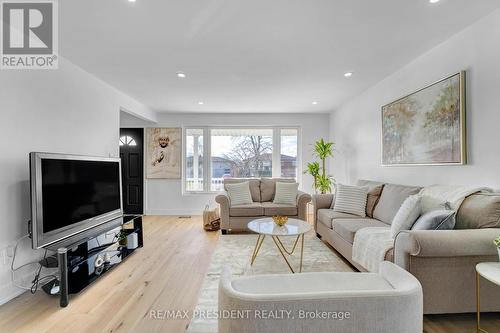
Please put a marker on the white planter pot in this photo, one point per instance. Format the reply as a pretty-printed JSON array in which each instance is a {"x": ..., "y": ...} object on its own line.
[{"x": 498, "y": 249}]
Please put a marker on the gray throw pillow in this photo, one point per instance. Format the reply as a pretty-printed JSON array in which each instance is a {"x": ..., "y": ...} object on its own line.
[{"x": 441, "y": 219}]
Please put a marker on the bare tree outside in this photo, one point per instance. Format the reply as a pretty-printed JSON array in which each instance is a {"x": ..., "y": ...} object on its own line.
[{"x": 251, "y": 156}]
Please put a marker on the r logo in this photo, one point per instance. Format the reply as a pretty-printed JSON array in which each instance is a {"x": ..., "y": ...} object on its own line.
[{"x": 28, "y": 28}]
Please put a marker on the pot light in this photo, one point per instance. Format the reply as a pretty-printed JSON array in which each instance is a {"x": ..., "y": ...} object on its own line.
[
  {"x": 348, "y": 74},
  {"x": 314, "y": 103},
  {"x": 200, "y": 103},
  {"x": 131, "y": 0},
  {"x": 180, "y": 74},
  {"x": 434, "y": 1}
]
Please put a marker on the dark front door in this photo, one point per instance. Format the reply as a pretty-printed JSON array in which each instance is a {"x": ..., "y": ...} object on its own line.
[{"x": 132, "y": 155}]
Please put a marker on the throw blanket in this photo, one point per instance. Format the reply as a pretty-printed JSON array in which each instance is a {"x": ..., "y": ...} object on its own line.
[
  {"x": 436, "y": 196},
  {"x": 370, "y": 246}
]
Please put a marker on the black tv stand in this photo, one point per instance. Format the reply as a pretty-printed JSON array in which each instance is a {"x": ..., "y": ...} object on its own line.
[{"x": 84, "y": 262}]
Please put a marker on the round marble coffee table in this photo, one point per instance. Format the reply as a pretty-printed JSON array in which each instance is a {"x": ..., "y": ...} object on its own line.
[{"x": 266, "y": 227}]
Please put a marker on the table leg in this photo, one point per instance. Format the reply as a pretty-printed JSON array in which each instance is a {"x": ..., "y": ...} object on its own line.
[
  {"x": 282, "y": 254},
  {"x": 284, "y": 248},
  {"x": 478, "y": 304},
  {"x": 260, "y": 240},
  {"x": 301, "y": 253}
]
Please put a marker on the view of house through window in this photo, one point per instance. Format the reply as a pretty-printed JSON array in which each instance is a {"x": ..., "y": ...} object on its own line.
[{"x": 238, "y": 152}]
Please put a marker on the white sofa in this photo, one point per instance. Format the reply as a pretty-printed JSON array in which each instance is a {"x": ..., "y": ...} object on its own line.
[{"x": 390, "y": 301}]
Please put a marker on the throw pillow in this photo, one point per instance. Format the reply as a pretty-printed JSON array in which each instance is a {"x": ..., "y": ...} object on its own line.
[
  {"x": 442, "y": 219},
  {"x": 430, "y": 204},
  {"x": 372, "y": 199},
  {"x": 286, "y": 193},
  {"x": 406, "y": 216},
  {"x": 239, "y": 193},
  {"x": 350, "y": 199}
]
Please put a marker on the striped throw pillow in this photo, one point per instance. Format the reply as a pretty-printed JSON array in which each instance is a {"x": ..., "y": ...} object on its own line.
[
  {"x": 239, "y": 193},
  {"x": 350, "y": 199},
  {"x": 286, "y": 193}
]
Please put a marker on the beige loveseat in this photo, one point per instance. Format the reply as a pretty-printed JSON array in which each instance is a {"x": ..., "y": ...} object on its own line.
[
  {"x": 236, "y": 217},
  {"x": 442, "y": 260}
]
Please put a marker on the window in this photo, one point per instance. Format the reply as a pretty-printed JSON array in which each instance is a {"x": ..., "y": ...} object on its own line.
[
  {"x": 127, "y": 141},
  {"x": 194, "y": 160},
  {"x": 238, "y": 152},
  {"x": 288, "y": 156}
]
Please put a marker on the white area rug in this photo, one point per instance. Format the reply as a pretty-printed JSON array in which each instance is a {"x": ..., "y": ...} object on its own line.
[{"x": 236, "y": 251}]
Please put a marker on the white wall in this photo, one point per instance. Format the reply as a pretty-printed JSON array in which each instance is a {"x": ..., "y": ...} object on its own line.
[
  {"x": 164, "y": 197},
  {"x": 356, "y": 126},
  {"x": 65, "y": 110}
]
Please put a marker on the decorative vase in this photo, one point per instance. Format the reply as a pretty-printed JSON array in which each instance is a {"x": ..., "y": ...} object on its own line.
[
  {"x": 498, "y": 249},
  {"x": 280, "y": 220}
]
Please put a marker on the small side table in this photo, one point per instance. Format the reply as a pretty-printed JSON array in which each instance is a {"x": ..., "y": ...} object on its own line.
[{"x": 491, "y": 272}]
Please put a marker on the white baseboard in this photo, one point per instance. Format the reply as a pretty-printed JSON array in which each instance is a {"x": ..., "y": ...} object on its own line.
[
  {"x": 173, "y": 212},
  {"x": 8, "y": 293}
]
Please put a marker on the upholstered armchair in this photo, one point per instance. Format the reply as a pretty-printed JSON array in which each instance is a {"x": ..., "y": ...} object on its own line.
[{"x": 390, "y": 301}]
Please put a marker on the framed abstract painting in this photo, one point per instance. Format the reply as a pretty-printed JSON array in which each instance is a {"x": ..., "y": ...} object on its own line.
[{"x": 426, "y": 127}]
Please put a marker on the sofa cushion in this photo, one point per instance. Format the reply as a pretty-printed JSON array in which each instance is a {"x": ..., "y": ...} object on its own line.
[
  {"x": 253, "y": 209},
  {"x": 286, "y": 193},
  {"x": 253, "y": 182},
  {"x": 268, "y": 186},
  {"x": 239, "y": 194},
  {"x": 406, "y": 216},
  {"x": 350, "y": 199},
  {"x": 272, "y": 209},
  {"x": 347, "y": 228},
  {"x": 374, "y": 192},
  {"x": 391, "y": 200},
  {"x": 325, "y": 216},
  {"x": 442, "y": 219},
  {"x": 480, "y": 210}
]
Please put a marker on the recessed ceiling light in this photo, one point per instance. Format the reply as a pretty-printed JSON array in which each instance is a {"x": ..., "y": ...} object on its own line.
[
  {"x": 131, "y": 0},
  {"x": 314, "y": 103},
  {"x": 180, "y": 74},
  {"x": 348, "y": 74},
  {"x": 200, "y": 103},
  {"x": 434, "y": 1}
]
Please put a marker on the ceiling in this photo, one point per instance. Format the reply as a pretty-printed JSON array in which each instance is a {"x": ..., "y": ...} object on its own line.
[{"x": 254, "y": 55}]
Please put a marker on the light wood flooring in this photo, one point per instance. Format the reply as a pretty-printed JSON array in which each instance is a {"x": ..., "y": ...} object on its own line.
[{"x": 166, "y": 274}]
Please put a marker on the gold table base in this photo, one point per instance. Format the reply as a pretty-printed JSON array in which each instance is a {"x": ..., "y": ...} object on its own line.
[
  {"x": 281, "y": 249},
  {"x": 478, "y": 305}
]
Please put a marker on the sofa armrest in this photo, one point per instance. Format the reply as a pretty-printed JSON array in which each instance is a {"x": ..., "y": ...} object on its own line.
[
  {"x": 302, "y": 200},
  {"x": 224, "y": 203},
  {"x": 320, "y": 201},
  {"x": 444, "y": 243}
]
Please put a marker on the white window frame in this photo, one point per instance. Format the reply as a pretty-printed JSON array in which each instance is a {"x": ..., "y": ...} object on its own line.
[{"x": 207, "y": 154}]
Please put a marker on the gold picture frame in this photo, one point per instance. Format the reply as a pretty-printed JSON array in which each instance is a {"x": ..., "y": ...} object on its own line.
[{"x": 428, "y": 126}]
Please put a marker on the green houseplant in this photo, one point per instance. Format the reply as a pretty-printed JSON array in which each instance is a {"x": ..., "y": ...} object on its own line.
[
  {"x": 497, "y": 243},
  {"x": 322, "y": 181}
]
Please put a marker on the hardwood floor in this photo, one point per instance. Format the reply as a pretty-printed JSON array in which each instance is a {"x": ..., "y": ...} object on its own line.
[{"x": 164, "y": 275}]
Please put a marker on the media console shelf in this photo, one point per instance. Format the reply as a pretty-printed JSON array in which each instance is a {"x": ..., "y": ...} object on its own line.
[{"x": 84, "y": 262}]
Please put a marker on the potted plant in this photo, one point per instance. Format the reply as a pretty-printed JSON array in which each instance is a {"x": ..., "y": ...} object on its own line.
[
  {"x": 322, "y": 181},
  {"x": 497, "y": 243},
  {"x": 122, "y": 238}
]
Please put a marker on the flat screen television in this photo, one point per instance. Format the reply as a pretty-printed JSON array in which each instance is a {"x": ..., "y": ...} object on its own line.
[{"x": 71, "y": 194}]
